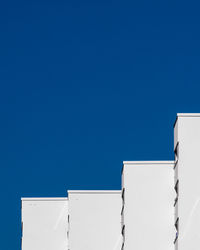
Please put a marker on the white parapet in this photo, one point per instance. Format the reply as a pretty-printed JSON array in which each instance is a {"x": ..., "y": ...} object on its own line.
[
  {"x": 148, "y": 205},
  {"x": 44, "y": 223},
  {"x": 94, "y": 220},
  {"x": 187, "y": 176}
]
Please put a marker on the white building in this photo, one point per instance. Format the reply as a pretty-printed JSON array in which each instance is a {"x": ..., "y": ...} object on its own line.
[
  {"x": 187, "y": 181},
  {"x": 148, "y": 205},
  {"x": 44, "y": 223},
  {"x": 157, "y": 209},
  {"x": 95, "y": 220}
]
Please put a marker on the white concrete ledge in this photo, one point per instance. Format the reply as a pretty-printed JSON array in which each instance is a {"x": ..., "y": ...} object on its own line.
[
  {"x": 146, "y": 162},
  {"x": 94, "y": 191},
  {"x": 188, "y": 114},
  {"x": 44, "y": 198}
]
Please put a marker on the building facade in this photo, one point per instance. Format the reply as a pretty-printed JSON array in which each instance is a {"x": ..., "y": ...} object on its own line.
[
  {"x": 94, "y": 220},
  {"x": 44, "y": 223},
  {"x": 158, "y": 207},
  {"x": 187, "y": 181},
  {"x": 148, "y": 205}
]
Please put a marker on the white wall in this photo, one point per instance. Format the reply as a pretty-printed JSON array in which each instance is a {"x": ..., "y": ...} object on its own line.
[
  {"x": 188, "y": 137},
  {"x": 44, "y": 223},
  {"x": 149, "y": 205},
  {"x": 94, "y": 220}
]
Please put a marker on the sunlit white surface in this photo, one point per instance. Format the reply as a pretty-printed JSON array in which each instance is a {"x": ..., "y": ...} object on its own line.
[
  {"x": 44, "y": 223},
  {"x": 95, "y": 220},
  {"x": 148, "y": 212},
  {"x": 187, "y": 136}
]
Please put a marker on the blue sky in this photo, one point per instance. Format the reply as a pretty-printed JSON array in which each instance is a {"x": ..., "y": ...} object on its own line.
[{"x": 85, "y": 85}]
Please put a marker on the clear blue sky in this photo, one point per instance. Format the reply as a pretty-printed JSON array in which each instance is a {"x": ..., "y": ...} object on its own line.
[{"x": 86, "y": 85}]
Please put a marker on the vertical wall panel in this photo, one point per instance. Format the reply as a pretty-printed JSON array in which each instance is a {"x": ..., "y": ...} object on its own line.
[
  {"x": 44, "y": 223},
  {"x": 149, "y": 205},
  {"x": 95, "y": 220},
  {"x": 189, "y": 181}
]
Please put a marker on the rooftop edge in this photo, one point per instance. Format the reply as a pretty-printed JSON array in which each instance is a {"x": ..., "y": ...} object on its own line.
[
  {"x": 44, "y": 198},
  {"x": 146, "y": 162},
  {"x": 188, "y": 114},
  {"x": 94, "y": 191}
]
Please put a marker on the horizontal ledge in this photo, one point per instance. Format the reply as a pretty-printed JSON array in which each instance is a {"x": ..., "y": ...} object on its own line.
[
  {"x": 147, "y": 162},
  {"x": 44, "y": 199},
  {"x": 94, "y": 191},
  {"x": 188, "y": 114}
]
